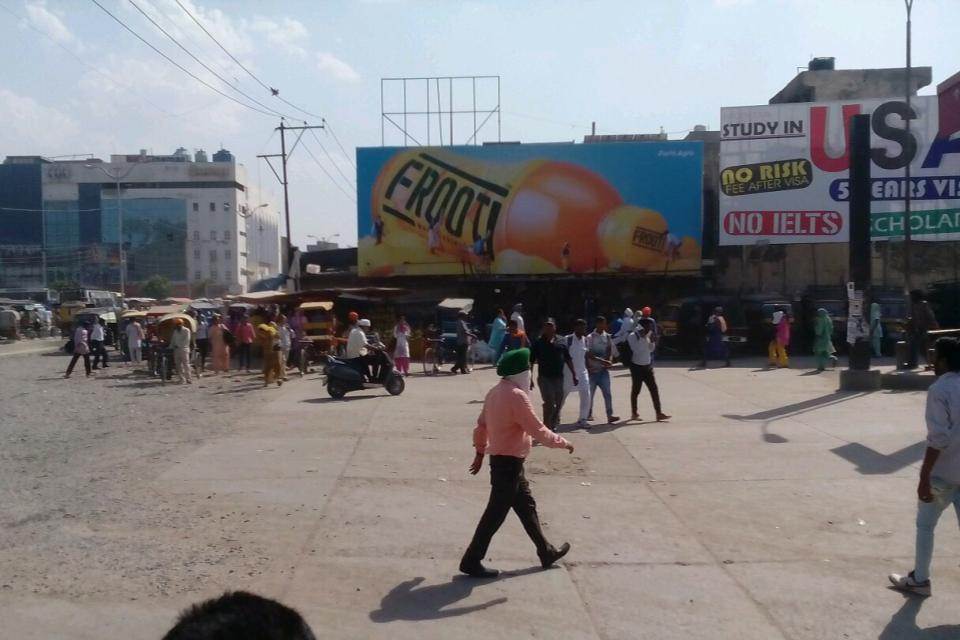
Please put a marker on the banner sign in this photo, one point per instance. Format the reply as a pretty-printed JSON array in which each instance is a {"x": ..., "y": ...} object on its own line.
[
  {"x": 530, "y": 209},
  {"x": 784, "y": 170}
]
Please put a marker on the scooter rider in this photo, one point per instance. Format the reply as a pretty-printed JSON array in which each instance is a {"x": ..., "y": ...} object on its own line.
[{"x": 371, "y": 358}]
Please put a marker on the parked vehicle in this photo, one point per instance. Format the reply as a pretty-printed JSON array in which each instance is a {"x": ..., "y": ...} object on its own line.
[
  {"x": 319, "y": 328},
  {"x": 344, "y": 376},
  {"x": 682, "y": 324}
]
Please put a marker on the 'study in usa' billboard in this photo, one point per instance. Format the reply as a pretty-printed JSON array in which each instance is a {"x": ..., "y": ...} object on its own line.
[{"x": 530, "y": 209}]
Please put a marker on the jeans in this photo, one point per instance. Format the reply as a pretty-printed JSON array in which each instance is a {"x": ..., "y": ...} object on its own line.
[
  {"x": 551, "y": 390},
  {"x": 509, "y": 489},
  {"x": 203, "y": 348},
  {"x": 928, "y": 513},
  {"x": 582, "y": 389},
  {"x": 601, "y": 379},
  {"x": 640, "y": 373},
  {"x": 243, "y": 356},
  {"x": 99, "y": 352}
]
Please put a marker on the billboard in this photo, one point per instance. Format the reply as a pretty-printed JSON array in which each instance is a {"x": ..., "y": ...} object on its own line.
[
  {"x": 784, "y": 171},
  {"x": 530, "y": 209}
]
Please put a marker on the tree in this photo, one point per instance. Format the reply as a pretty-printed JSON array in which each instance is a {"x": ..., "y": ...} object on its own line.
[{"x": 156, "y": 287}]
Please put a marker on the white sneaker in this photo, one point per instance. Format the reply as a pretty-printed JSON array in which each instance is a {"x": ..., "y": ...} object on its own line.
[{"x": 908, "y": 585}]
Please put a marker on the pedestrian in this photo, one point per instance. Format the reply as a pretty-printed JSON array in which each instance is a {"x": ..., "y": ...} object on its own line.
[
  {"x": 505, "y": 429},
  {"x": 716, "y": 343},
  {"x": 641, "y": 369},
  {"x": 245, "y": 336},
  {"x": 647, "y": 312},
  {"x": 135, "y": 336},
  {"x": 550, "y": 354},
  {"x": 577, "y": 378},
  {"x": 97, "y": 338},
  {"x": 203, "y": 343},
  {"x": 921, "y": 321},
  {"x": 463, "y": 341},
  {"x": 401, "y": 350},
  {"x": 517, "y": 315},
  {"x": 599, "y": 361},
  {"x": 220, "y": 338},
  {"x": 614, "y": 326},
  {"x": 433, "y": 236},
  {"x": 514, "y": 338},
  {"x": 269, "y": 339},
  {"x": 180, "y": 344},
  {"x": 286, "y": 342},
  {"x": 777, "y": 349},
  {"x": 81, "y": 349},
  {"x": 626, "y": 326},
  {"x": 497, "y": 331},
  {"x": 939, "y": 485},
  {"x": 876, "y": 330},
  {"x": 823, "y": 339}
]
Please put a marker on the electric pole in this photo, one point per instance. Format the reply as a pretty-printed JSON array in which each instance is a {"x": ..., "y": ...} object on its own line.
[{"x": 283, "y": 155}]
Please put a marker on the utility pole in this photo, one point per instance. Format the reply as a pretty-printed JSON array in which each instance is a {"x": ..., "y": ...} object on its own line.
[
  {"x": 284, "y": 156},
  {"x": 907, "y": 231}
]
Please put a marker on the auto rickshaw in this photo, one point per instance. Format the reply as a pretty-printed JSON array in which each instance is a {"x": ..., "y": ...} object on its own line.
[
  {"x": 316, "y": 332},
  {"x": 93, "y": 316},
  {"x": 160, "y": 356}
]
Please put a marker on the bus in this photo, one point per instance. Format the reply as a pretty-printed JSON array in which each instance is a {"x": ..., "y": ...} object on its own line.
[
  {"x": 92, "y": 297},
  {"x": 46, "y": 297}
]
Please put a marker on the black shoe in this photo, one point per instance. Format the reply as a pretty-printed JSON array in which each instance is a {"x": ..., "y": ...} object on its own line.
[
  {"x": 478, "y": 570},
  {"x": 547, "y": 560}
]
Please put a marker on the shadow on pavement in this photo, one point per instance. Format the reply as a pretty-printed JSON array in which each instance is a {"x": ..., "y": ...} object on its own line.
[
  {"x": 870, "y": 462},
  {"x": 406, "y": 602},
  {"x": 798, "y": 408},
  {"x": 903, "y": 625},
  {"x": 344, "y": 399}
]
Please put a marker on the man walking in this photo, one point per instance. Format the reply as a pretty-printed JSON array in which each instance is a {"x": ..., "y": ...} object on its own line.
[
  {"x": 135, "y": 336},
  {"x": 599, "y": 361},
  {"x": 579, "y": 382},
  {"x": 505, "y": 429},
  {"x": 641, "y": 369},
  {"x": 180, "y": 343},
  {"x": 203, "y": 343},
  {"x": 550, "y": 354},
  {"x": 939, "y": 485},
  {"x": 97, "y": 337},
  {"x": 81, "y": 349},
  {"x": 286, "y": 342},
  {"x": 921, "y": 321},
  {"x": 463, "y": 341}
]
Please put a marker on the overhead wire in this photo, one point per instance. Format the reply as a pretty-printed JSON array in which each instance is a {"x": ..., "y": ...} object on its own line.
[
  {"x": 178, "y": 65},
  {"x": 329, "y": 129},
  {"x": 202, "y": 63},
  {"x": 349, "y": 181},
  {"x": 328, "y": 174}
]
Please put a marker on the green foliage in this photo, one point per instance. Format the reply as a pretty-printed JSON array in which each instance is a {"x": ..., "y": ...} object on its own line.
[{"x": 156, "y": 287}]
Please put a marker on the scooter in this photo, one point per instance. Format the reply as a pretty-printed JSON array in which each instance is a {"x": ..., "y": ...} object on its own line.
[{"x": 344, "y": 376}]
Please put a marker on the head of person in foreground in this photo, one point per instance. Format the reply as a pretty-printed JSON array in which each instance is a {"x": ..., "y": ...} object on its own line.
[{"x": 239, "y": 615}]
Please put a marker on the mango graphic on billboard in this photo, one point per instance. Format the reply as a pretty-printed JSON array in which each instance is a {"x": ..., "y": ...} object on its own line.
[{"x": 530, "y": 209}]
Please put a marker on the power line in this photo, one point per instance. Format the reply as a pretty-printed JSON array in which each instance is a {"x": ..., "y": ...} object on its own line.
[
  {"x": 273, "y": 92},
  {"x": 327, "y": 127},
  {"x": 328, "y": 174},
  {"x": 201, "y": 62},
  {"x": 178, "y": 65},
  {"x": 330, "y": 158}
]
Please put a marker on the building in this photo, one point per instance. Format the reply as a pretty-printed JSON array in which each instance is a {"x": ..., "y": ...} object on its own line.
[{"x": 199, "y": 224}]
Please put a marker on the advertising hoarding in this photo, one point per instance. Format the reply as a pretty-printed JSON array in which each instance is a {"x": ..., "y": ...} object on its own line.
[
  {"x": 530, "y": 209},
  {"x": 784, "y": 171}
]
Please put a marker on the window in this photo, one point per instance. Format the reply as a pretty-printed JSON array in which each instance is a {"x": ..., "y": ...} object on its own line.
[
  {"x": 228, "y": 275},
  {"x": 226, "y": 235},
  {"x": 213, "y": 255},
  {"x": 213, "y": 234},
  {"x": 226, "y": 206},
  {"x": 213, "y": 206},
  {"x": 227, "y": 254},
  {"x": 196, "y": 207},
  {"x": 196, "y": 254},
  {"x": 197, "y": 276},
  {"x": 213, "y": 274},
  {"x": 196, "y": 235},
  {"x": 243, "y": 254},
  {"x": 243, "y": 233}
]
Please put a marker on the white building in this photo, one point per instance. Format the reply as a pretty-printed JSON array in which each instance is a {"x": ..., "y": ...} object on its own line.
[{"x": 198, "y": 223}]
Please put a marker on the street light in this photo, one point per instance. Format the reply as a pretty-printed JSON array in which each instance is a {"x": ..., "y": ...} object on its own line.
[{"x": 117, "y": 177}]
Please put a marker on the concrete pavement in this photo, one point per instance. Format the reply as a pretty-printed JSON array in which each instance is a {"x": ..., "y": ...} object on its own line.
[{"x": 770, "y": 507}]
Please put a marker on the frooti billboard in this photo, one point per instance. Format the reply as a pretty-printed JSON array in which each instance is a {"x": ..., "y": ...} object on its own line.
[
  {"x": 530, "y": 209},
  {"x": 784, "y": 171}
]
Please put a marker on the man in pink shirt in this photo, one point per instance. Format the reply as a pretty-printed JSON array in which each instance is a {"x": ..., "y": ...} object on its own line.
[
  {"x": 245, "y": 335},
  {"x": 505, "y": 429}
]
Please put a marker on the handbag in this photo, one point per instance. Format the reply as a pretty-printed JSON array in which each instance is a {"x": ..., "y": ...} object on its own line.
[{"x": 82, "y": 348}]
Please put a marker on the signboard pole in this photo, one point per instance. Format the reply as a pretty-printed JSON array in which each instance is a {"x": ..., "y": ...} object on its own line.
[
  {"x": 907, "y": 266},
  {"x": 859, "y": 258}
]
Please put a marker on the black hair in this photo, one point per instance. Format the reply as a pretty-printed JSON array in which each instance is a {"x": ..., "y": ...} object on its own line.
[
  {"x": 579, "y": 321},
  {"x": 239, "y": 615},
  {"x": 599, "y": 319},
  {"x": 646, "y": 323},
  {"x": 949, "y": 350}
]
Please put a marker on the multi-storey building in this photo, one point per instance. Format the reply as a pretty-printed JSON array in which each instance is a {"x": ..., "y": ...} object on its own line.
[{"x": 197, "y": 223}]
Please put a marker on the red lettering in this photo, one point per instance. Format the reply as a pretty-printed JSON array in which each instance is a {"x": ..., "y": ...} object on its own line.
[{"x": 818, "y": 138}]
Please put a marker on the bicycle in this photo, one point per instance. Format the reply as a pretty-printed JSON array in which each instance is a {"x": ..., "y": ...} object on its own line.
[{"x": 432, "y": 356}]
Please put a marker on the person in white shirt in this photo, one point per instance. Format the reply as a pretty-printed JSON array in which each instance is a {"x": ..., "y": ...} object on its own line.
[
  {"x": 356, "y": 342},
  {"x": 286, "y": 342},
  {"x": 641, "y": 368},
  {"x": 97, "y": 338},
  {"x": 135, "y": 336},
  {"x": 599, "y": 361},
  {"x": 939, "y": 485},
  {"x": 180, "y": 343},
  {"x": 626, "y": 326},
  {"x": 203, "y": 343},
  {"x": 577, "y": 347},
  {"x": 517, "y": 315}
]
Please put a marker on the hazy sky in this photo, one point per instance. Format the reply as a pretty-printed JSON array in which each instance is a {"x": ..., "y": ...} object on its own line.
[{"x": 89, "y": 86}]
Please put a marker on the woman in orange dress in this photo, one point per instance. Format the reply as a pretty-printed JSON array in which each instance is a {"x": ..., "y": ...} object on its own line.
[{"x": 219, "y": 347}]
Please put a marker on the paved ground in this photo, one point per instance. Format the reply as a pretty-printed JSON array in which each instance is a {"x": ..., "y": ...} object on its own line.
[{"x": 771, "y": 507}]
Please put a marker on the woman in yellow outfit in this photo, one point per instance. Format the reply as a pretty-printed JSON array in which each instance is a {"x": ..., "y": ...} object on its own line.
[
  {"x": 777, "y": 350},
  {"x": 270, "y": 345}
]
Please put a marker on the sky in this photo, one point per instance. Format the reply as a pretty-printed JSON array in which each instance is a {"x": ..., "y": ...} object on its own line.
[{"x": 76, "y": 82}]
